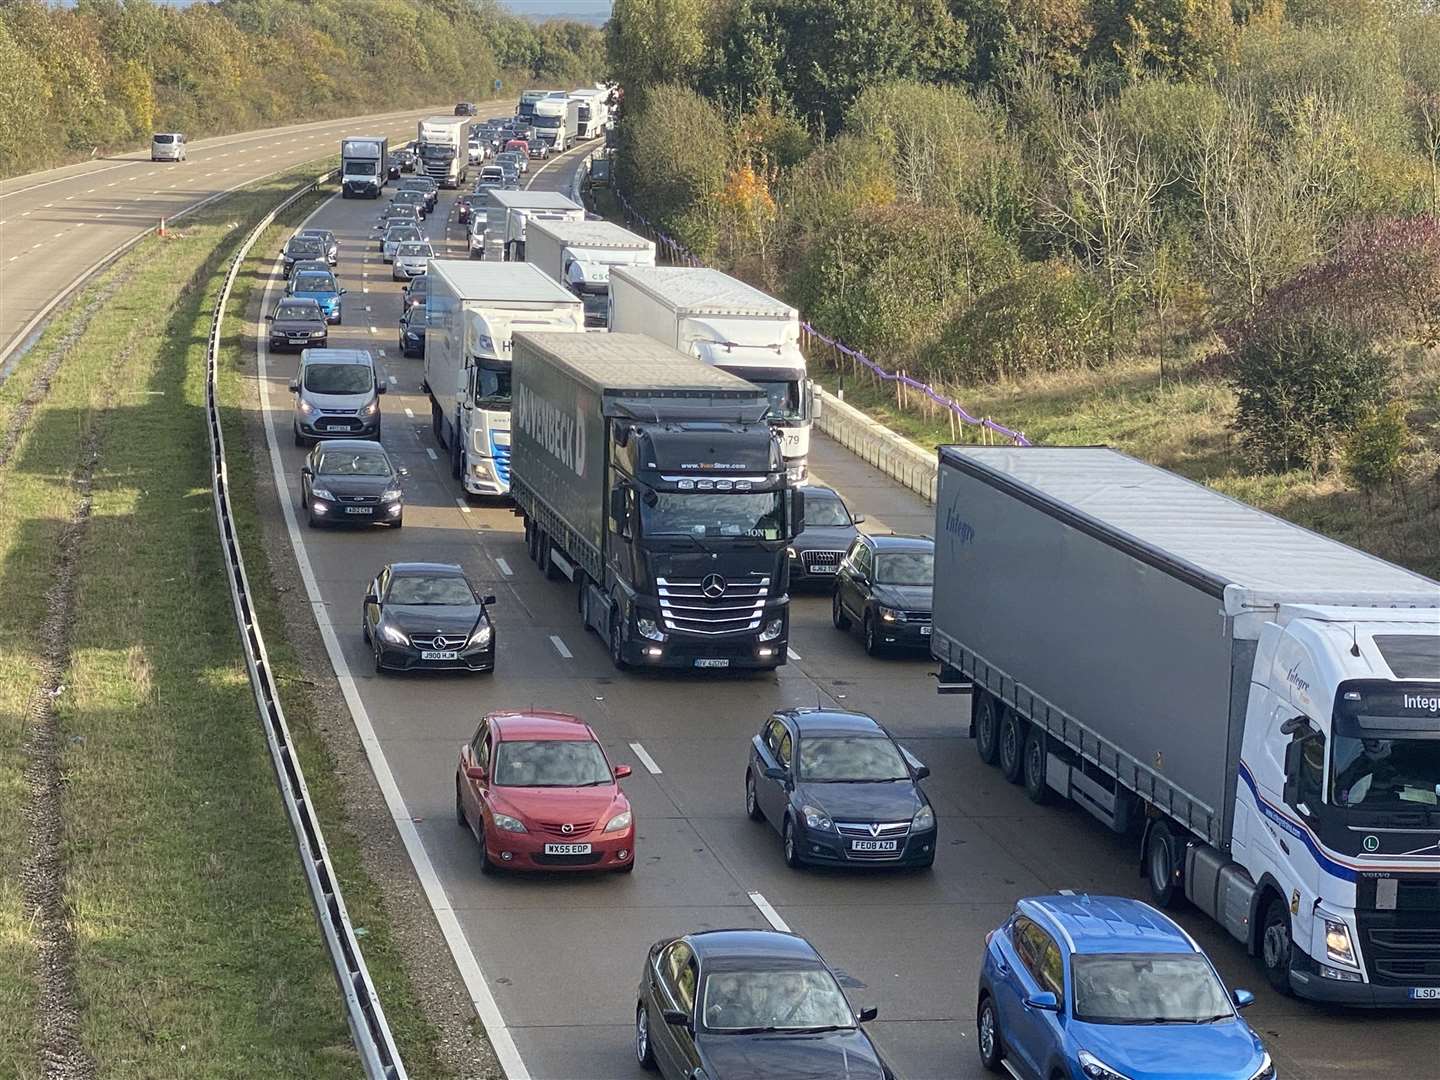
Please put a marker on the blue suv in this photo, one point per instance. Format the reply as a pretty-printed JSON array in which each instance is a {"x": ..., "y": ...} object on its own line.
[{"x": 1107, "y": 988}]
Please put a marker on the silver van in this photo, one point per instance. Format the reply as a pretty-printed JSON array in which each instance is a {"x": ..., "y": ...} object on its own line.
[
  {"x": 337, "y": 396},
  {"x": 167, "y": 146}
]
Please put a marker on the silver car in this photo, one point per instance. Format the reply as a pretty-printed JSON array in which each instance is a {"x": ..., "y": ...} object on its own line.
[
  {"x": 397, "y": 235},
  {"x": 337, "y": 396},
  {"x": 167, "y": 146},
  {"x": 410, "y": 260}
]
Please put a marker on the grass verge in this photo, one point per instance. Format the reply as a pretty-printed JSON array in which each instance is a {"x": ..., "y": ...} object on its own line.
[{"x": 197, "y": 953}]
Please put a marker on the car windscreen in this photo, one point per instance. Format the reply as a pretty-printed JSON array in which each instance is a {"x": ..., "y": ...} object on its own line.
[
  {"x": 430, "y": 590},
  {"x": 314, "y": 283},
  {"x": 301, "y": 246},
  {"x": 720, "y": 513},
  {"x": 318, "y": 236},
  {"x": 415, "y": 249},
  {"x": 789, "y": 999},
  {"x": 904, "y": 567},
  {"x": 338, "y": 378},
  {"x": 828, "y": 758},
  {"x": 402, "y": 234},
  {"x": 824, "y": 510},
  {"x": 550, "y": 763},
  {"x": 1147, "y": 988},
  {"x": 353, "y": 463},
  {"x": 301, "y": 312}
]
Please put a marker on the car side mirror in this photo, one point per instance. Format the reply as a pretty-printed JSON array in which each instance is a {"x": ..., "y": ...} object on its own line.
[
  {"x": 867, "y": 1014},
  {"x": 474, "y": 772},
  {"x": 488, "y": 600},
  {"x": 305, "y": 470},
  {"x": 270, "y": 317},
  {"x": 678, "y": 1017},
  {"x": 1045, "y": 1001},
  {"x": 773, "y": 773},
  {"x": 371, "y": 598},
  {"x": 622, "y": 771},
  {"x": 857, "y": 519},
  {"x": 1243, "y": 999},
  {"x": 342, "y": 292},
  {"x": 380, "y": 387},
  {"x": 294, "y": 386},
  {"x": 922, "y": 771}
]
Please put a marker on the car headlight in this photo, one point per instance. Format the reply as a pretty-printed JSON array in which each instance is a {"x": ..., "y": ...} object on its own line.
[
  {"x": 306, "y": 407},
  {"x": 390, "y": 494},
  {"x": 891, "y": 615},
  {"x": 371, "y": 409},
  {"x": 924, "y": 819},
  {"x": 1095, "y": 1069},
  {"x": 392, "y": 635},
  {"x": 816, "y": 818},
  {"x": 508, "y": 823},
  {"x": 322, "y": 493},
  {"x": 772, "y": 630},
  {"x": 1266, "y": 1071},
  {"x": 647, "y": 629},
  {"x": 481, "y": 637},
  {"x": 318, "y": 333},
  {"x": 618, "y": 822},
  {"x": 1337, "y": 941}
]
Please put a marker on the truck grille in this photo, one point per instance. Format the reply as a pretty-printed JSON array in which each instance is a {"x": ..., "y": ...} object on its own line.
[
  {"x": 713, "y": 604},
  {"x": 502, "y": 461},
  {"x": 827, "y": 559},
  {"x": 1398, "y": 954}
]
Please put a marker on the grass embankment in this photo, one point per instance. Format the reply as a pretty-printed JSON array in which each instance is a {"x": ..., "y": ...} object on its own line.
[
  {"x": 196, "y": 949},
  {"x": 1184, "y": 424}
]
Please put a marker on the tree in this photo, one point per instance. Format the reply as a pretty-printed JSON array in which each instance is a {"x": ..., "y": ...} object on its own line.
[
  {"x": 655, "y": 42},
  {"x": 1181, "y": 39}
]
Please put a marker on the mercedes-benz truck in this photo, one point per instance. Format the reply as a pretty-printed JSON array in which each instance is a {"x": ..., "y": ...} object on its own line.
[
  {"x": 363, "y": 166},
  {"x": 580, "y": 255},
  {"x": 472, "y": 311},
  {"x": 444, "y": 149},
  {"x": 1257, "y": 705},
  {"x": 731, "y": 325},
  {"x": 652, "y": 481}
]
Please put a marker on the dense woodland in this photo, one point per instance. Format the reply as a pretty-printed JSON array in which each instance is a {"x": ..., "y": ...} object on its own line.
[{"x": 102, "y": 74}]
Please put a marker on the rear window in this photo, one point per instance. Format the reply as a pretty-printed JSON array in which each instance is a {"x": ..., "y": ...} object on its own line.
[
  {"x": 314, "y": 283},
  {"x": 164, "y": 138}
]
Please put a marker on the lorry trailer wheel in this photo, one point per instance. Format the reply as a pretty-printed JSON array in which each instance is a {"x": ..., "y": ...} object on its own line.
[
  {"x": 987, "y": 727},
  {"x": 1275, "y": 945},
  {"x": 1036, "y": 752},
  {"x": 1160, "y": 862},
  {"x": 1012, "y": 746}
]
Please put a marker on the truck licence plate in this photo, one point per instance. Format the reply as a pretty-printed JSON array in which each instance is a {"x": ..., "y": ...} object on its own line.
[
  {"x": 567, "y": 849},
  {"x": 359, "y": 509},
  {"x": 439, "y": 654},
  {"x": 1425, "y": 993},
  {"x": 703, "y": 662},
  {"x": 874, "y": 845}
]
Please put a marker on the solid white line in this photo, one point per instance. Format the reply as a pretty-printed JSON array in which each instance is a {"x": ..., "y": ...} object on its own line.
[
  {"x": 771, "y": 915},
  {"x": 501, "y": 563},
  {"x": 792, "y": 654},
  {"x": 645, "y": 758},
  {"x": 433, "y": 456},
  {"x": 476, "y": 984},
  {"x": 560, "y": 646},
  {"x": 410, "y": 413},
  {"x": 460, "y": 502}
]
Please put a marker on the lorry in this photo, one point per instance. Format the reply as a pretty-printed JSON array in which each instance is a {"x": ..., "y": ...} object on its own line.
[
  {"x": 525, "y": 110},
  {"x": 593, "y": 115},
  {"x": 579, "y": 255},
  {"x": 556, "y": 118},
  {"x": 443, "y": 145},
  {"x": 508, "y": 211},
  {"x": 729, "y": 324},
  {"x": 363, "y": 166},
  {"x": 652, "y": 481},
  {"x": 471, "y": 312},
  {"x": 1256, "y": 705}
]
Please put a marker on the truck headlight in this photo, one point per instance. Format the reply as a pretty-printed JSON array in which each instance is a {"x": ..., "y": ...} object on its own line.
[
  {"x": 795, "y": 473},
  {"x": 773, "y": 629},
  {"x": 816, "y": 818},
  {"x": 1095, "y": 1069},
  {"x": 1337, "y": 941},
  {"x": 647, "y": 628}
]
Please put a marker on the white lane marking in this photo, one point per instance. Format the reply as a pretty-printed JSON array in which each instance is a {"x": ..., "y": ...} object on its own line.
[
  {"x": 367, "y": 307},
  {"x": 771, "y": 915},
  {"x": 373, "y": 330},
  {"x": 365, "y": 288},
  {"x": 433, "y": 456},
  {"x": 394, "y": 381},
  {"x": 501, "y": 563},
  {"x": 24, "y": 213},
  {"x": 560, "y": 646},
  {"x": 58, "y": 235},
  {"x": 460, "y": 502},
  {"x": 476, "y": 984},
  {"x": 90, "y": 191},
  {"x": 410, "y": 413},
  {"x": 646, "y": 760},
  {"x": 792, "y": 654},
  {"x": 1067, "y": 892},
  {"x": 13, "y": 258}
]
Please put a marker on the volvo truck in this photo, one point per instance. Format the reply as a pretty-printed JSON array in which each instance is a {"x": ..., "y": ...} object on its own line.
[
  {"x": 471, "y": 312},
  {"x": 653, "y": 482},
  {"x": 1256, "y": 705},
  {"x": 729, "y": 324},
  {"x": 508, "y": 212},
  {"x": 555, "y": 119},
  {"x": 580, "y": 254},
  {"x": 443, "y": 146},
  {"x": 363, "y": 166}
]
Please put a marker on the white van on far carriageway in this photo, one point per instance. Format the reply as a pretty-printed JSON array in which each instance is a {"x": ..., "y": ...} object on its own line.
[{"x": 167, "y": 146}]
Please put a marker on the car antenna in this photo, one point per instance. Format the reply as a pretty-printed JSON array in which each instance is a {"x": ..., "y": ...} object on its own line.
[{"x": 1354, "y": 640}]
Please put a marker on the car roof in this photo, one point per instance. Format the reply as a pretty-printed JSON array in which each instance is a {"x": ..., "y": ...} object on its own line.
[
  {"x": 896, "y": 542},
  {"x": 435, "y": 568},
  {"x": 314, "y": 232},
  {"x": 339, "y": 356},
  {"x": 719, "y": 946},
  {"x": 1108, "y": 924},
  {"x": 302, "y": 300},
  {"x": 833, "y": 721},
  {"x": 353, "y": 446},
  {"x": 811, "y": 490},
  {"x": 540, "y": 724}
]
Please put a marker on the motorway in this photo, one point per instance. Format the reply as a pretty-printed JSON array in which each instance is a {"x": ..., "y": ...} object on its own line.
[{"x": 553, "y": 962}]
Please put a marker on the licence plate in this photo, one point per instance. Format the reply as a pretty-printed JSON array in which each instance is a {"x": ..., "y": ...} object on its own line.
[
  {"x": 567, "y": 849},
  {"x": 337, "y": 427},
  {"x": 824, "y": 568},
  {"x": 874, "y": 845},
  {"x": 924, "y": 631},
  {"x": 299, "y": 341},
  {"x": 1425, "y": 993},
  {"x": 439, "y": 654},
  {"x": 359, "y": 509},
  {"x": 712, "y": 663}
]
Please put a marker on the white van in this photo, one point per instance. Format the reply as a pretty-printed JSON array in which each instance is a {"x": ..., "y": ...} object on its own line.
[{"x": 167, "y": 146}]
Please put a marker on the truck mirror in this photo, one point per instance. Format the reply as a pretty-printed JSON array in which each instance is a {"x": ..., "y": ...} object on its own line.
[
  {"x": 617, "y": 505},
  {"x": 817, "y": 402},
  {"x": 797, "y": 511},
  {"x": 1293, "y": 755}
]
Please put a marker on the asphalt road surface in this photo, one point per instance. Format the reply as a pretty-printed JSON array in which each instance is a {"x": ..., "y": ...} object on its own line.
[{"x": 561, "y": 956}]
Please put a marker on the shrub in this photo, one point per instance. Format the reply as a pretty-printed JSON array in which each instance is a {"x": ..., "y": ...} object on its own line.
[{"x": 1376, "y": 447}]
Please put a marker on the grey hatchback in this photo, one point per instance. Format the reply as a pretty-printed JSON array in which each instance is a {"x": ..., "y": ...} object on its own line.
[{"x": 337, "y": 396}]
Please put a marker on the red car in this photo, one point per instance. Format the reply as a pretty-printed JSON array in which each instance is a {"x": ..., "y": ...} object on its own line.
[
  {"x": 522, "y": 145},
  {"x": 538, "y": 792}
]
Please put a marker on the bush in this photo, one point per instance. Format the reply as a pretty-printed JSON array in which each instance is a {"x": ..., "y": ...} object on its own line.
[
  {"x": 1375, "y": 449},
  {"x": 1049, "y": 317}
]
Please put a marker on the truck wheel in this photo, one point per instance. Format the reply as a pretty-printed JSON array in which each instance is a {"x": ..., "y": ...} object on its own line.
[
  {"x": 457, "y": 459},
  {"x": 530, "y": 531},
  {"x": 987, "y": 727},
  {"x": 837, "y": 613},
  {"x": 1275, "y": 945},
  {"x": 1012, "y": 746},
  {"x": 1161, "y": 861},
  {"x": 1036, "y": 752},
  {"x": 617, "y": 643}
]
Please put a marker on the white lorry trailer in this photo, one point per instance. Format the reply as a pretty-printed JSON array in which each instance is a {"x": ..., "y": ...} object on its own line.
[
  {"x": 443, "y": 145},
  {"x": 363, "y": 166},
  {"x": 555, "y": 120},
  {"x": 507, "y": 213},
  {"x": 1258, "y": 704},
  {"x": 472, "y": 310},
  {"x": 733, "y": 326},
  {"x": 579, "y": 255},
  {"x": 593, "y": 116}
]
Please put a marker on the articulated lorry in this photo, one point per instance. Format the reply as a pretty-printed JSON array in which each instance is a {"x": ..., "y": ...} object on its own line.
[
  {"x": 731, "y": 325},
  {"x": 363, "y": 166},
  {"x": 652, "y": 481},
  {"x": 525, "y": 110},
  {"x": 507, "y": 213},
  {"x": 472, "y": 311},
  {"x": 580, "y": 254},
  {"x": 443, "y": 146},
  {"x": 556, "y": 119},
  {"x": 1258, "y": 705},
  {"x": 593, "y": 115}
]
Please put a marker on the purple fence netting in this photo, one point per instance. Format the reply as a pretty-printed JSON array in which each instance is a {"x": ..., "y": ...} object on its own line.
[{"x": 679, "y": 253}]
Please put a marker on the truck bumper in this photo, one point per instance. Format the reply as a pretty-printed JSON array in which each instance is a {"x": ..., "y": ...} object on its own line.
[
  {"x": 1308, "y": 982},
  {"x": 482, "y": 478},
  {"x": 745, "y": 654}
]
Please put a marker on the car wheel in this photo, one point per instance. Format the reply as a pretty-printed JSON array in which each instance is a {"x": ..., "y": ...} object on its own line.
[
  {"x": 398, "y": 523},
  {"x": 1161, "y": 859},
  {"x": 310, "y": 519},
  {"x": 987, "y": 1035},
  {"x": 460, "y": 818},
  {"x": 1012, "y": 746},
  {"x": 1275, "y": 945},
  {"x": 379, "y": 666},
  {"x": 790, "y": 845},
  {"x": 487, "y": 864},
  {"x": 644, "y": 1052},
  {"x": 752, "y": 804},
  {"x": 1036, "y": 754},
  {"x": 987, "y": 728},
  {"x": 617, "y": 645},
  {"x": 872, "y": 642},
  {"x": 837, "y": 613}
]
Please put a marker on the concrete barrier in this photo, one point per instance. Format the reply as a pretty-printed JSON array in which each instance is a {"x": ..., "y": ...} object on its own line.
[{"x": 894, "y": 455}]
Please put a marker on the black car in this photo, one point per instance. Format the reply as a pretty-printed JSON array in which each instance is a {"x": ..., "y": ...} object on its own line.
[
  {"x": 466, "y": 108},
  {"x": 884, "y": 586},
  {"x": 351, "y": 481},
  {"x": 416, "y": 289},
  {"x": 425, "y": 186},
  {"x": 297, "y": 323},
  {"x": 300, "y": 248},
  {"x": 407, "y": 197},
  {"x": 412, "y": 329},
  {"x": 328, "y": 243},
  {"x": 428, "y": 616},
  {"x": 749, "y": 1005},
  {"x": 839, "y": 790},
  {"x": 403, "y": 160},
  {"x": 398, "y": 214},
  {"x": 829, "y": 531}
]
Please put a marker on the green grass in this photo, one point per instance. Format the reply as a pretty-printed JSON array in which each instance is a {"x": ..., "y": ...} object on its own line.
[{"x": 197, "y": 953}]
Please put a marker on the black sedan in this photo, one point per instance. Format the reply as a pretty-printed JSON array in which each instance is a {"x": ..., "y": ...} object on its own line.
[
  {"x": 297, "y": 323},
  {"x": 749, "y": 1005},
  {"x": 417, "y": 199},
  {"x": 829, "y": 531},
  {"x": 885, "y": 587},
  {"x": 412, "y": 329},
  {"x": 351, "y": 481},
  {"x": 300, "y": 248},
  {"x": 425, "y": 186},
  {"x": 415, "y": 291},
  {"x": 428, "y": 616},
  {"x": 328, "y": 243},
  {"x": 839, "y": 790}
]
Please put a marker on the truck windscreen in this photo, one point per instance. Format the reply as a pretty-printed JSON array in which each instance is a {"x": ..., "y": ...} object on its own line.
[
  {"x": 492, "y": 386},
  {"x": 1386, "y": 752},
  {"x": 720, "y": 513},
  {"x": 359, "y": 168},
  {"x": 547, "y": 122},
  {"x": 785, "y": 403}
]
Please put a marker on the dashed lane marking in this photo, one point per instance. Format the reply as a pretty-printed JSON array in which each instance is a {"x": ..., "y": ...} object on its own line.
[
  {"x": 560, "y": 647},
  {"x": 771, "y": 915},
  {"x": 431, "y": 451},
  {"x": 501, "y": 563},
  {"x": 647, "y": 761},
  {"x": 460, "y": 502}
]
